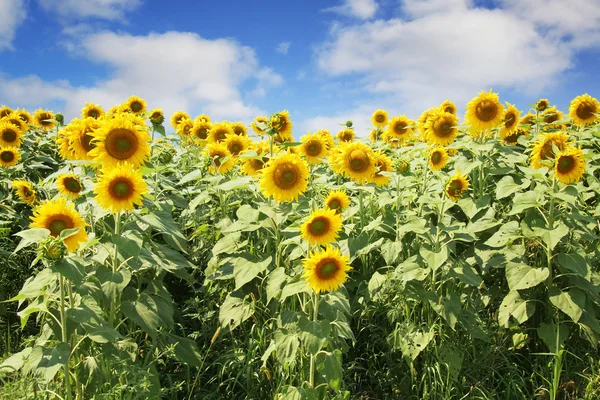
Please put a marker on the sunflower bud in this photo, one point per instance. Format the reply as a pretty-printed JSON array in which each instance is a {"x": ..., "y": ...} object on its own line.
[
  {"x": 60, "y": 119},
  {"x": 349, "y": 124},
  {"x": 52, "y": 249}
]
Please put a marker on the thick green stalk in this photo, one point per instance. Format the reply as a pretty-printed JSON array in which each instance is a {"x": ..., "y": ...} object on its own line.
[
  {"x": 312, "y": 357},
  {"x": 115, "y": 266},
  {"x": 362, "y": 209},
  {"x": 63, "y": 323},
  {"x": 550, "y": 227}
]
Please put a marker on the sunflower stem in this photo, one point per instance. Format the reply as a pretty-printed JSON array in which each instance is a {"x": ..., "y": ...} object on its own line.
[
  {"x": 312, "y": 357},
  {"x": 362, "y": 209},
  {"x": 551, "y": 227},
  {"x": 425, "y": 176},
  {"x": 63, "y": 322},
  {"x": 115, "y": 265}
]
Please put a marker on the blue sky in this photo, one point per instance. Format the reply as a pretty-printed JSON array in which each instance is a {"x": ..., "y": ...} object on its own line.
[{"x": 324, "y": 61}]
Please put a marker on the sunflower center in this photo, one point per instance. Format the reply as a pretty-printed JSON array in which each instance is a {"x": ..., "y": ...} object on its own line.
[
  {"x": 4, "y": 113},
  {"x": 541, "y": 105},
  {"x": 24, "y": 117},
  {"x": 486, "y": 110},
  {"x": 93, "y": 114},
  {"x": 400, "y": 126},
  {"x": 216, "y": 157},
  {"x": 27, "y": 192},
  {"x": 313, "y": 148},
  {"x": 327, "y": 268},
  {"x": 334, "y": 204},
  {"x": 59, "y": 223},
  {"x": 7, "y": 156},
  {"x": 444, "y": 129},
  {"x": 510, "y": 120},
  {"x": 235, "y": 148},
  {"x": 551, "y": 117},
  {"x": 221, "y": 135},
  {"x": 9, "y": 135},
  {"x": 44, "y": 120},
  {"x": 238, "y": 131},
  {"x": 359, "y": 161},
  {"x": 455, "y": 188},
  {"x": 72, "y": 185},
  {"x": 449, "y": 109},
  {"x": 136, "y": 106},
  {"x": 380, "y": 118},
  {"x": 86, "y": 142},
  {"x": 256, "y": 164},
  {"x": 318, "y": 226},
  {"x": 286, "y": 176},
  {"x": 547, "y": 152},
  {"x": 565, "y": 164},
  {"x": 121, "y": 143},
  {"x": 436, "y": 157},
  {"x": 585, "y": 111}
]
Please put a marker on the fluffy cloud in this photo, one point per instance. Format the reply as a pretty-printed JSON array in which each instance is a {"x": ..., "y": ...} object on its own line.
[
  {"x": 283, "y": 47},
  {"x": 174, "y": 70},
  {"x": 12, "y": 14},
  {"x": 77, "y": 9},
  {"x": 363, "y": 9}
]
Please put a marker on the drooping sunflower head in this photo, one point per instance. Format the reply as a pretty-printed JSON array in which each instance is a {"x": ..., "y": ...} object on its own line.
[
  {"x": 135, "y": 105},
  {"x": 120, "y": 188},
  {"x": 284, "y": 177},
  {"x": 237, "y": 144},
  {"x": 542, "y": 104},
  {"x": 456, "y": 186},
  {"x": 584, "y": 110},
  {"x": 511, "y": 120},
  {"x": 375, "y": 135},
  {"x": 513, "y": 137},
  {"x": 528, "y": 119},
  {"x": 384, "y": 164},
  {"x": 5, "y": 110},
  {"x": 69, "y": 185},
  {"x": 9, "y": 156},
  {"x": 44, "y": 119},
  {"x": 354, "y": 160},
  {"x": 177, "y": 117},
  {"x": 398, "y": 131},
  {"x": 570, "y": 165},
  {"x": 484, "y": 112},
  {"x": 379, "y": 118},
  {"x": 200, "y": 130},
  {"x": 327, "y": 137},
  {"x": 92, "y": 111},
  {"x": 282, "y": 124},
  {"x": 313, "y": 148},
  {"x": 262, "y": 121},
  {"x": 24, "y": 116},
  {"x": 10, "y": 134},
  {"x": 543, "y": 149},
  {"x": 325, "y": 270},
  {"x": 345, "y": 135},
  {"x": 157, "y": 117},
  {"x": 337, "y": 200},
  {"x": 549, "y": 116},
  {"x": 252, "y": 166},
  {"x": 80, "y": 137},
  {"x": 438, "y": 158},
  {"x": 449, "y": 107},
  {"x": 442, "y": 128},
  {"x": 321, "y": 227},
  {"x": 219, "y": 132},
  {"x": 239, "y": 128},
  {"x": 25, "y": 191},
  {"x": 222, "y": 159},
  {"x": 120, "y": 140},
  {"x": 56, "y": 215}
]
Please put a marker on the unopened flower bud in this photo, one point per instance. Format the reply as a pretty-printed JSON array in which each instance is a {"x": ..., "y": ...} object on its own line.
[{"x": 52, "y": 249}]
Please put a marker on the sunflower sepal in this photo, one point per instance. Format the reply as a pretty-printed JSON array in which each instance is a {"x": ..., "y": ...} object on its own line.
[
  {"x": 29, "y": 237},
  {"x": 53, "y": 249}
]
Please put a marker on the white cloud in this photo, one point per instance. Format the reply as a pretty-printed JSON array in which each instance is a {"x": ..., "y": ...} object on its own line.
[
  {"x": 78, "y": 9},
  {"x": 363, "y": 9},
  {"x": 419, "y": 8},
  {"x": 174, "y": 70},
  {"x": 12, "y": 14},
  {"x": 283, "y": 47}
]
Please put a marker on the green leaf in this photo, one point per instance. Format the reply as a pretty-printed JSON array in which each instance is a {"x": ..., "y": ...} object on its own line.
[
  {"x": 235, "y": 310},
  {"x": 313, "y": 334},
  {"x": 245, "y": 270},
  {"x": 575, "y": 263},
  {"x": 524, "y": 201},
  {"x": 507, "y": 186},
  {"x": 286, "y": 347},
  {"x": 275, "y": 281},
  {"x": 297, "y": 393},
  {"x": 16, "y": 361},
  {"x": 547, "y": 332},
  {"x": 434, "y": 260},
  {"x": 466, "y": 274},
  {"x": 551, "y": 237},
  {"x": 514, "y": 306},
  {"x": 129, "y": 243},
  {"x": 186, "y": 350},
  {"x": 113, "y": 282},
  {"x": 329, "y": 364},
  {"x": 240, "y": 182},
  {"x": 149, "y": 312},
  {"x": 229, "y": 244},
  {"x": 410, "y": 270},
  {"x": 31, "y": 236},
  {"x": 89, "y": 315},
  {"x": 163, "y": 222},
  {"x": 293, "y": 287},
  {"x": 52, "y": 360},
  {"x": 452, "y": 357},
  {"x": 377, "y": 281},
  {"x": 195, "y": 174},
  {"x": 391, "y": 251},
  {"x": 507, "y": 233},
  {"x": 71, "y": 267},
  {"x": 571, "y": 302},
  {"x": 413, "y": 343},
  {"x": 522, "y": 276}
]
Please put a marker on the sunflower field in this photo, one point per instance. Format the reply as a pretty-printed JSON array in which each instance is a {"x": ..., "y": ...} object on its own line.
[{"x": 442, "y": 258}]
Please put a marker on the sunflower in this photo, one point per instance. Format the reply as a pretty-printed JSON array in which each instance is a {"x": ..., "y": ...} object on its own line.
[
  {"x": 542, "y": 104},
  {"x": 120, "y": 140},
  {"x": 584, "y": 109},
  {"x": 237, "y": 144},
  {"x": 202, "y": 118},
  {"x": 423, "y": 122},
  {"x": 570, "y": 165},
  {"x": 57, "y": 215},
  {"x": 337, "y": 200},
  {"x": 549, "y": 116},
  {"x": 449, "y": 107},
  {"x": 379, "y": 118},
  {"x": 5, "y": 110},
  {"x": 9, "y": 156},
  {"x": 325, "y": 270},
  {"x": 326, "y": 136},
  {"x": 10, "y": 135},
  {"x": 157, "y": 117},
  {"x": 222, "y": 160},
  {"x": 442, "y": 128},
  {"x": 114, "y": 110},
  {"x": 252, "y": 166},
  {"x": 456, "y": 186},
  {"x": 44, "y": 119},
  {"x": 135, "y": 105},
  {"x": 285, "y": 177},
  {"x": 69, "y": 186},
  {"x": 92, "y": 111},
  {"x": 345, "y": 135},
  {"x": 177, "y": 117},
  {"x": 239, "y": 128},
  {"x": 185, "y": 126},
  {"x": 259, "y": 120},
  {"x": 13, "y": 118},
  {"x": 321, "y": 227},
  {"x": 397, "y": 130},
  {"x": 63, "y": 143},
  {"x": 375, "y": 135},
  {"x": 281, "y": 123},
  {"x": 543, "y": 149},
  {"x": 25, "y": 191},
  {"x": 513, "y": 137},
  {"x": 80, "y": 138},
  {"x": 313, "y": 148},
  {"x": 528, "y": 119},
  {"x": 354, "y": 160},
  {"x": 200, "y": 130},
  {"x": 120, "y": 188},
  {"x": 511, "y": 118},
  {"x": 219, "y": 132},
  {"x": 484, "y": 112},
  {"x": 438, "y": 158},
  {"x": 24, "y": 116},
  {"x": 384, "y": 164}
]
